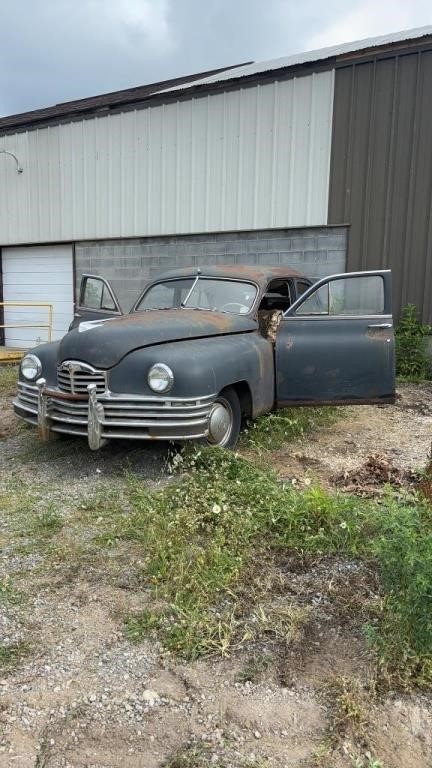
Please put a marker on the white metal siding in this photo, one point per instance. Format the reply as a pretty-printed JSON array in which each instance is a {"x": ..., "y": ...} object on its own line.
[
  {"x": 253, "y": 158},
  {"x": 37, "y": 273}
]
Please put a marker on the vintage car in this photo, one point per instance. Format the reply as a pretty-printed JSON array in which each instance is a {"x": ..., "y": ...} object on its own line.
[{"x": 203, "y": 349}]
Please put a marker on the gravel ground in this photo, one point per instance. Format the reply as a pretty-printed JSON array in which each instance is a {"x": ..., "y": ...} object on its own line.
[
  {"x": 402, "y": 432},
  {"x": 82, "y": 696}
]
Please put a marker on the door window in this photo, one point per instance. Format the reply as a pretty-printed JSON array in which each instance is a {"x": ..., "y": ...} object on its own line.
[
  {"x": 317, "y": 303},
  {"x": 95, "y": 294},
  {"x": 348, "y": 296}
]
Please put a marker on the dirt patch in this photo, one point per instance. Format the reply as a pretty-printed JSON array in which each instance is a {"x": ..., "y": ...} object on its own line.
[{"x": 401, "y": 432}]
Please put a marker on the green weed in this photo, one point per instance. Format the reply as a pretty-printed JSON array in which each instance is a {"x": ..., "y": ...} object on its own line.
[
  {"x": 201, "y": 540},
  {"x": 8, "y": 594},
  {"x": 45, "y": 523},
  {"x": 271, "y": 431},
  {"x": 8, "y": 378},
  {"x": 412, "y": 360},
  {"x": 11, "y": 655}
]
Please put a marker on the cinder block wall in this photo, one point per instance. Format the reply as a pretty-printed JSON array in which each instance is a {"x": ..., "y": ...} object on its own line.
[{"x": 129, "y": 264}]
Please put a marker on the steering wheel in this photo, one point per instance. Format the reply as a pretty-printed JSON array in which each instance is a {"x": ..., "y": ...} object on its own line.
[{"x": 241, "y": 307}]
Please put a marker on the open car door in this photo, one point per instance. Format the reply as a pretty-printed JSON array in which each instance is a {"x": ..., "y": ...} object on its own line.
[
  {"x": 335, "y": 344},
  {"x": 96, "y": 301}
]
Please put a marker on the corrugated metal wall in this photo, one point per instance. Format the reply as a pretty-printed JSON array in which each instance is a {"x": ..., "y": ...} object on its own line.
[
  {"x": 253, "y": 158},
  {"x": 381, "y": 170}
]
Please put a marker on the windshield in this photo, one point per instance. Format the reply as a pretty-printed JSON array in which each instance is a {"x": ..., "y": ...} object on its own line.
[{"x": 233, "y": 296}]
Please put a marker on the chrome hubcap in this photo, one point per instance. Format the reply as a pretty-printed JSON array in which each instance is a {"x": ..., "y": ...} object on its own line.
[{"x": 220, "y": 423}]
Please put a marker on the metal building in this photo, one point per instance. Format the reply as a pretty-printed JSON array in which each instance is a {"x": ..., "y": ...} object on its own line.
[{"x": 322, "y": 161}]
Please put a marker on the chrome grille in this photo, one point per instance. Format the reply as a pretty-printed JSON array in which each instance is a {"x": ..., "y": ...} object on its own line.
[
  {"x": 75, "y": 377},
  {"x": 124, "y": 416}
]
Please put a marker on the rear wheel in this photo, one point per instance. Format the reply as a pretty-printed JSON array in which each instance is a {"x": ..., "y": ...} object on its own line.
[{"x": 225, "y": 420}]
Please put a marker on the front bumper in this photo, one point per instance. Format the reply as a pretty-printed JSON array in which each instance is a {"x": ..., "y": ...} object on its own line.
[{"x": 100, "y": 417}]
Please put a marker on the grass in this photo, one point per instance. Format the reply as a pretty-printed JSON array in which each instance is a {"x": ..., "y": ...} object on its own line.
[
  {"x": 271, "y": 431},
  {"x": 9, "y": 595},
  {"x": 350, "y": 707},
  {"x": 46, "y": 522},
  {"x": 8, "y": 378},
  {"x": 200, "y": 756},
  {"x": 11, "y": 655},
  {"x": 209, "y": 545}
]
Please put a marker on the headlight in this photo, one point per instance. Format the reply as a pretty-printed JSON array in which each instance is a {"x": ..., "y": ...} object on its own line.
[
  {"x": 31, "y": 367},
  {"x": 160, "y": 378}
]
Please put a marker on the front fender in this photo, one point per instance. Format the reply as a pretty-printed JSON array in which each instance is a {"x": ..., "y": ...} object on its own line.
[
  {"x": 48, "y": 355},
  {"x": 203, "y": 367}
]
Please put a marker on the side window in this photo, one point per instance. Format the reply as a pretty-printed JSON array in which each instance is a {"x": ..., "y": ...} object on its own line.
[
  {"x": 357, "y": 296},
  {"x": 95, "y": 294},
  {"x": 362, "y": 295}
]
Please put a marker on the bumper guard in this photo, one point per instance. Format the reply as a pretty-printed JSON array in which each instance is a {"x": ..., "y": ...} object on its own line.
[{"x": 100, "y": 417}]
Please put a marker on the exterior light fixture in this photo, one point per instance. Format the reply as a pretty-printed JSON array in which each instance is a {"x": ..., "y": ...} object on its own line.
[{"x": 18, "y": 166}]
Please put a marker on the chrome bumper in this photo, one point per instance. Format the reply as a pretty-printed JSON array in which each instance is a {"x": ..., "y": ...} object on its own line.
[{"x": 109, "y": 415}]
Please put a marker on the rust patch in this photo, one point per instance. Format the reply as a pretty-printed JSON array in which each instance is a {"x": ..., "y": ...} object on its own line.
[
  {"x": 388, "y": 400},
  {"x": 261, "y": 275},
  {"x": 378, "y": 334},
  {"x": 63, "y": 395}
]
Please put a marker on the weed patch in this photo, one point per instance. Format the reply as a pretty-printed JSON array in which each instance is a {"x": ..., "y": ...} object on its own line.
[
  {"x": 208, "y": 544},
  {"x": 46, "y": 523},
  {"x": 271, "y": 431},
  {"x": 197, "y": 756},
  {"x": 11, "y": 655},
  {"x": 8, "y": 378},
  {"x": 412, "y": 361},
  {"x": 9, "y": 595},
  {"x": 207, "y": 547}
]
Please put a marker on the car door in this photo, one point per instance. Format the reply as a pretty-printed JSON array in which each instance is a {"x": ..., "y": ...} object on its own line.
[
  {"x": 96, "y": 300},
  {"x": 335, "y": 344}
]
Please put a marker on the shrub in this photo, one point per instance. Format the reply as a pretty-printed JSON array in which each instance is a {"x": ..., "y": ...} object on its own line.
[{"x": 412, "y": 360}]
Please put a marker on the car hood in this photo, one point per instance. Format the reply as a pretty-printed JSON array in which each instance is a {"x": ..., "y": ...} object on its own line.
[{"x": 103, "y": 343}]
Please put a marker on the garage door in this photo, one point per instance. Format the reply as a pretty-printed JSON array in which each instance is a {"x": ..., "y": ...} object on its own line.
[{"x": 37, "y": 273}]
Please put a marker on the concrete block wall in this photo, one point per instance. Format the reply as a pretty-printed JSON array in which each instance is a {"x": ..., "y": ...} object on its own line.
[{"x": 129, "y": 264}]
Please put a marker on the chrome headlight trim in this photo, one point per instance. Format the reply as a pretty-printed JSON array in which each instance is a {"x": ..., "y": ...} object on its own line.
[
  {"x": 31, "y": 367},
  {"x": 160, "y": 378}
]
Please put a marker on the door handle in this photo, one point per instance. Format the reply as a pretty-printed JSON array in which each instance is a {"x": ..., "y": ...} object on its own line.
[{"x": 381, "y": 325}]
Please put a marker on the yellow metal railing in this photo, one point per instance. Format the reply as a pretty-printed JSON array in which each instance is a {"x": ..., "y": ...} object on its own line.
[{"x": 30, "y": 304}]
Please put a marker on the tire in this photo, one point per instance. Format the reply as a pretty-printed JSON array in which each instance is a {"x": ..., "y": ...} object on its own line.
[{"x": 226, "y": 412}]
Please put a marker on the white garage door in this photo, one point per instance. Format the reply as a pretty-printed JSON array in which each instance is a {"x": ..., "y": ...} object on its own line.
[{"x": 37, "y": 273}]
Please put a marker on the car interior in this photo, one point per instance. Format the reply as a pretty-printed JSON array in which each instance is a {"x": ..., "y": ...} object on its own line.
[{"x": 277, "y": 299}]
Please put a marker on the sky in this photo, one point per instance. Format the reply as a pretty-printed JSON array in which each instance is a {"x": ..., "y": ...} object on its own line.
[{"x": 58, "y": 50}]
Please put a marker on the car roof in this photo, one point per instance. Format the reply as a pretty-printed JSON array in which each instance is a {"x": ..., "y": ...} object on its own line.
[{"x": 257, "y": 274}]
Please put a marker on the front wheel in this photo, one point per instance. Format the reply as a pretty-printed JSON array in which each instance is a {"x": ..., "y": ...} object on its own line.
[{"x": 225, "y": 420}]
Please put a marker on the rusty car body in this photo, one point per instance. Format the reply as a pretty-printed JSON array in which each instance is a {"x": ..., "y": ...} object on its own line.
[{"x": 204, "y": 348}]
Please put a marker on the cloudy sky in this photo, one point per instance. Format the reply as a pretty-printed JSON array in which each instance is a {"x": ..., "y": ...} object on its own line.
[{"x": 58, "y": 50}]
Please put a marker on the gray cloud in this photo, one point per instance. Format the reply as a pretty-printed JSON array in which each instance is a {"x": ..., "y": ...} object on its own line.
[{"x": 57, "y": 50}]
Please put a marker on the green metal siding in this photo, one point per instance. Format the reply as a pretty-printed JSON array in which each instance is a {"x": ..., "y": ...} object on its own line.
[{"x": 381, "y": 170}]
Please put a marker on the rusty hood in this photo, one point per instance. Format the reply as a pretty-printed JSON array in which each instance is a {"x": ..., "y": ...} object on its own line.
[{"x": 104, "y": 343}]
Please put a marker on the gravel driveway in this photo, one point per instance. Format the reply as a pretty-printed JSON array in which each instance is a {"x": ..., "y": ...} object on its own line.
[{"x": 74, "y": 693}]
